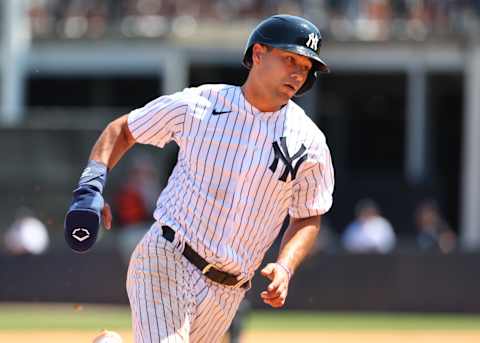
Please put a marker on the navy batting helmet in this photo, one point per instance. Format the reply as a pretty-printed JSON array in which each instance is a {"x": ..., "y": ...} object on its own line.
[{"x": 293, "y": 34}]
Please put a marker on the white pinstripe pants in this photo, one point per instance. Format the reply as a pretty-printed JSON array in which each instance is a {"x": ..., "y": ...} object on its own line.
[{"x": 171, "y": 301}]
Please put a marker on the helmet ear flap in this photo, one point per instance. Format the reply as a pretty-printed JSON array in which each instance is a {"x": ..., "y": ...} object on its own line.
[
  {"x": 311, "y": 78},
  {"x": 247, "y": 58}
]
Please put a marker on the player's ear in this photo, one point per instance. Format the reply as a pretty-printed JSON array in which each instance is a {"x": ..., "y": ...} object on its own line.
[{"x": 258, "y": 52}]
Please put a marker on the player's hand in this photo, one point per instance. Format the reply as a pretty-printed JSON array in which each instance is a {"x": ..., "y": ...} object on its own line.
[
  {"x": 277, "y": 290},
  {"x": 107, "y": 216}
]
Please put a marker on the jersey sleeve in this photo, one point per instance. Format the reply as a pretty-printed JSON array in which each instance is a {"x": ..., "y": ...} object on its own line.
[
  {"x": 160, "y": 121},
  {"x": 313, "y": 186}
]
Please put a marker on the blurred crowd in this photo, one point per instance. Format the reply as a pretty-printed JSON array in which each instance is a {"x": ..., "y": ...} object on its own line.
[
  {"x": 141, "y": 18},
  {"x": 374, "y": 20},
  {"x": 370, "y": 232}
]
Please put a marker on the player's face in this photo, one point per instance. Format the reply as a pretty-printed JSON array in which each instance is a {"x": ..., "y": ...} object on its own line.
[{"x": 285, "y": 72}]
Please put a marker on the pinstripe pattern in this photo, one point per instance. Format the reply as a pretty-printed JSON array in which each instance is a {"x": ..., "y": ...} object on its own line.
[
  {"x": 227, "y": 198},
  {"x": 222, "y": 197},
  {"x": 171, "y": 301}
]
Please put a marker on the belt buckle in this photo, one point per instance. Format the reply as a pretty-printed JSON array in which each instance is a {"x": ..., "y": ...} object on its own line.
[{"x": 207, "y": 268}]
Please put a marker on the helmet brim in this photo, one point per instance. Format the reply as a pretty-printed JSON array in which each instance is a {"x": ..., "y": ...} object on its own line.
[{"x": 318, "y": 66}]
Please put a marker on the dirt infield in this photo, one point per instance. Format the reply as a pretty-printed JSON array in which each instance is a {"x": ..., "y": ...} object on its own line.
[
  {"x": 266, "y": 337},
  {"x": 364, "y": 337}
]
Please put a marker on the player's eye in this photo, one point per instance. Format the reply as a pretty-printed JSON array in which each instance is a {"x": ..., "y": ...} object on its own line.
[
  {"x": 305, "y": 68},
  {"x": 289, "y": 59}
]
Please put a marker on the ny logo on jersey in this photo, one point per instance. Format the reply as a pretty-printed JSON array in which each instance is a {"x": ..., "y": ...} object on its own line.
[
  {"x": 281, "y": 153},
  {"x": 312, "y": 41}
]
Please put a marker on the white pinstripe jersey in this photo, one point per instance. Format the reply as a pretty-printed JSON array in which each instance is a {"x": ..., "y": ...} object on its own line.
[{"x": 239, "y": 171}]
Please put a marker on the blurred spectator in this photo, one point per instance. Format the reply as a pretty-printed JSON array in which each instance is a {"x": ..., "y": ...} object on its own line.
[
  {"x": 434, "y": 234},
  {"x": 27, "y": 235},
  {"x": 369, "y": 232},
  {"x": 134, "y": 201}
]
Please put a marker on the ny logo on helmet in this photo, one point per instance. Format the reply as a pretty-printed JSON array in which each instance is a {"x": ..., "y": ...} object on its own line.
[
  {"x": 312, "y": 41},
  {"x": 281, "y": 153}
]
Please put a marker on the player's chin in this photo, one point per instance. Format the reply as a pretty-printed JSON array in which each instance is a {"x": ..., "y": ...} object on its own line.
[
  {"x": 289, "y": 90},
  {"x": 285, "y": 94}
]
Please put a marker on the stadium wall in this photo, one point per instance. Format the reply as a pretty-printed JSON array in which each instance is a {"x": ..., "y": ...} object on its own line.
[{"x": 406, "y": 282}]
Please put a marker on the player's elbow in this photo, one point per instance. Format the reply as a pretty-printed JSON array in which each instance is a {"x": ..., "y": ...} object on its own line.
[
  {"x": 119, "y": 128},
  {"x": 308, "y": 221},
  {"x": 126, "y": 133}
]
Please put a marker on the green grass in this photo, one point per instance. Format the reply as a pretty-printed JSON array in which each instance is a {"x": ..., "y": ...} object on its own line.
[
  {"x": 63, "y": 317},
  {"x": 29, "y": 317},
  {"x": 288, "y": 320}
]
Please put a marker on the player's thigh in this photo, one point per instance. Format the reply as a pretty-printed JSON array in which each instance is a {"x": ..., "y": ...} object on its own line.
[
  {"x": 215, "y": 309},
  {"x": 160, "y": 299}
]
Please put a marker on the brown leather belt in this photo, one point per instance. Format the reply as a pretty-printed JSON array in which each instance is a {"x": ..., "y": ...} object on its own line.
[{"x": 207, "y": 268}]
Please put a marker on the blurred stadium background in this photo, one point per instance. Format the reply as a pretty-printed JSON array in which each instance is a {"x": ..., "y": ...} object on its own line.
[{"x": 401, "y": 112}]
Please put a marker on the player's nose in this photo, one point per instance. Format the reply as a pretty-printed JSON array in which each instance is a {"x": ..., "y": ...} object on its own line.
[
  {"x": 296, "y": 80},
  {"x": 298, "y": 75}
]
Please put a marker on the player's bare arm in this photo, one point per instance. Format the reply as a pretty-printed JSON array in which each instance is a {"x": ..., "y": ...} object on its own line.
[
  {"x": 297, "y": 242},
  {"x": 113, "y": 143}
]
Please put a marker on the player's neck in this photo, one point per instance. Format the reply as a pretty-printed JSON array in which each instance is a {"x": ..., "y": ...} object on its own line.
[{"x": 258, "y": 99}]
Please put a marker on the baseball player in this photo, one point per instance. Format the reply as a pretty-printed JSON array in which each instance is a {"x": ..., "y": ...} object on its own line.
[{"x": 248, "y": 157}]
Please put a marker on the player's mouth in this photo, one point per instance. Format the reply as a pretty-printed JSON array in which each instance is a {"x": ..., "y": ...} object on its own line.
[{"x": 290, "y": 87}]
